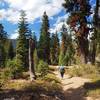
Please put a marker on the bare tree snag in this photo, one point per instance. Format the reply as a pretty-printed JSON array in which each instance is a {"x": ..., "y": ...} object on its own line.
[{"x": 31, "y": 62}]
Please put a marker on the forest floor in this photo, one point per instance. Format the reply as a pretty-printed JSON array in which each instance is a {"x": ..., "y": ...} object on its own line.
[
  {"x": 73, "y": 87},
  {"x": 53, "y": 87}
]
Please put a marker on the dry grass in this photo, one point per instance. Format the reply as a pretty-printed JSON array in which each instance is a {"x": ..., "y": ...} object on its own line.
[
  {"x": 48, "y": 87},
  {"x": 90, "y": 72},
  {"x": 93, "y": 88},
  {"x": 87, "y": 71}
]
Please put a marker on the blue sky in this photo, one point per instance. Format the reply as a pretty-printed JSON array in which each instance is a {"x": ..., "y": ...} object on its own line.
[{"x": 9, "y": 14}]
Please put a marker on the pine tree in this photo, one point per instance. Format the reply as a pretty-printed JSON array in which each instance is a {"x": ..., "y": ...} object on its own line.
[
  {"x": 10, "y": 50},
  {"x": 57, "y": 46},
  {"x": 22, "y": 48},
  {"x": 54, "y": 50},
  {"x": 96, "y": 15},
  {"x": 3, "y": 34},
  {"x": 64, "y": 40},
  {"x": 35, "y": 40},
  {"x": 64, "y": 45},
  {"x": 97, "y": 24},
  {"x": 3, "y": 38},
  {"x": 61, "y": 58},
  {"x": 96, "y": 35},
  {"x": 44, "y": 42},
  {"x": 79, "y": 10},
  {"x": 94, "y": 46},
  {"x": 67, "y": 48}
]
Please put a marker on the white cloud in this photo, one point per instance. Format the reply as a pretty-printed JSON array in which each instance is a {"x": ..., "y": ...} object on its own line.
[
  {"x": 58, "y": 25},
  {"x": 62, "y": 18},
  {"x": 2, "y": 14},
  {"x": 33, "y": 8},
  {"x": 12, "y": 15},
  {"x": 14, "y": 35}
]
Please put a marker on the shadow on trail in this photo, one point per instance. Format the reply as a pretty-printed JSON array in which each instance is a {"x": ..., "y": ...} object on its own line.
[
  {"x": 92, "y": 85},
  {"x": 30, "y": 94},
  {"x": 75, "y": 94},
  {"x": 12, "y": 94}
]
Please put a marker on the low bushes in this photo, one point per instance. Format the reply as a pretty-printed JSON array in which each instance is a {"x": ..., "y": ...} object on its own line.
[
  {"x": 43, "y": 68},
  {"x": 49, "y": 85},
  {"x": 11, "y": 71},
  {"x": 51, "y": 78},
  {"x": 89, "y": 71}
]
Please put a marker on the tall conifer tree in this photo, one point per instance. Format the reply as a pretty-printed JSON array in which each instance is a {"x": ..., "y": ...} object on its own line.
[
  {"x": 79, "y": 11},
  {"x": 97, "y": 24},
  {"x": 3, "y": 38},
  {"x": 66, "y": 49},
  {"x": 54, "y": 50},
  {"x": 22, "y": 48},
  {"x": 10, "y": 51},
  {"x": 64, "y": 39},
  {"x": 44, "y": 42}
]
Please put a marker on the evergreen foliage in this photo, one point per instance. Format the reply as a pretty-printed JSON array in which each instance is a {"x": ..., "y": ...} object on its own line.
[
  {"x": 44, "y": 42},
  {"x": 35, "y": 40},
  {"x": 12, "y": 70},
  {"x": 3, "y": 39},
  {"x": 97, "y": 25},
  {"x": 67, "y": 51},
  {"x": 22, "y": 48},
  {"x": 61, "y": 59},
  {"x": 54, "y": 50},
  {"x": 43, "y": 68},
  {"x": 64, "y": 41},
  {"x": 10, "y": 50}
]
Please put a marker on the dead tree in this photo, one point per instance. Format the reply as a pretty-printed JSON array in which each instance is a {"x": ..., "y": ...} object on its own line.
[{"x": 31, "y": 61}]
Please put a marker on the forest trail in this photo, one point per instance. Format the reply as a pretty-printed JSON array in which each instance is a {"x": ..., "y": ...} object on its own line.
[{"x": 73, "y": 87}]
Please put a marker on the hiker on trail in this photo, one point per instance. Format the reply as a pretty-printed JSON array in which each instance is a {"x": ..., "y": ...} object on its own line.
[{"x": 62, "y": 71}]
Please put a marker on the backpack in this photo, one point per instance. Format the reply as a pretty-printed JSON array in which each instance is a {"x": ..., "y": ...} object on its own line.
[{"x": 62, "y": 70}]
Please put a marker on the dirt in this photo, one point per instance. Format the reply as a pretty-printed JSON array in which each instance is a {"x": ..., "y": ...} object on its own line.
[{"x": 73, "y": 87}]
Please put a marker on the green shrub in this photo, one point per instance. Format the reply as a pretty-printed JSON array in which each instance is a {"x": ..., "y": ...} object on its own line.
[
  {"x": 43, "y": 68},
  {"x": 61, "y": 59},
  {"x": 7, "y": 74},
  {"x": 12, "y": 70},
  {"x": 66, "y": 59},
  {"x": 51, "y": 78}
]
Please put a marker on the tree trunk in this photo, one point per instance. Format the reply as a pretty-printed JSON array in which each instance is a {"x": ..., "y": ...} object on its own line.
[
  {"x": 97, "y": 15},
  {"x": 93, "y": 54},
  {"x": 82, "y": 42},
  {"x": 97, "y": 26},
  {"x": 31, "y": 62},
  {"x": 83, "y": 46}
]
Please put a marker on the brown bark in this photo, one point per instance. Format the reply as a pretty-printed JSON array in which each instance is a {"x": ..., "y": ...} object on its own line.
[{"x": 82, "y": 43}]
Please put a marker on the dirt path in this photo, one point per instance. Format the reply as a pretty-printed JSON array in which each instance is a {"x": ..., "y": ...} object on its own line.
[{"x": 73, "y": 87}]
